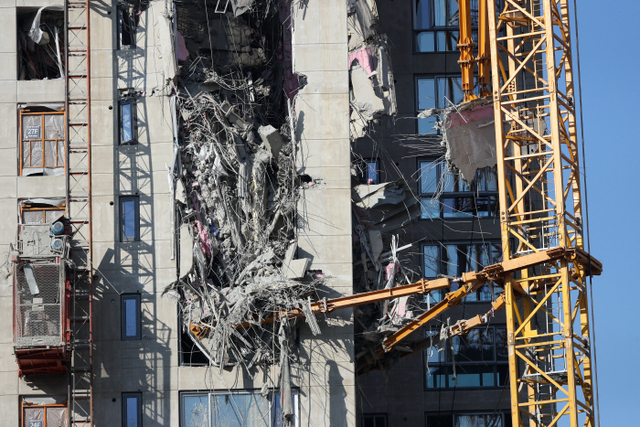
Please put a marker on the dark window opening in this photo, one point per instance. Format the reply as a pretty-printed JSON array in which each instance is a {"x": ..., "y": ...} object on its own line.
[
  {"x": 130, "y": 317},
  {"x": 128, "y": 19},
  {"x": 374, "y": 420},
  {"x": 129, "y": 218},
  {"x": 41, "y": 44}
]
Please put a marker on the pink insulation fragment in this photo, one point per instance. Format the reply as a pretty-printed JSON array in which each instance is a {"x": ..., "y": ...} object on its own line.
[
  {"x": 389, "y": 268},
  {"x": 364, "y": 58},
  {"x": 205, "y": 242},
  {"x": 183, "y": 53}
]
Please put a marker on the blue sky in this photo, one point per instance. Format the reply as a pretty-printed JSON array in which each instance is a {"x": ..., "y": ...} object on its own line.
[{"x": 609, "y": 60}]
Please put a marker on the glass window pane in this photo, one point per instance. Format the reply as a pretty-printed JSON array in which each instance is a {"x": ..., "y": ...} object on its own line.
[
  {"x": 441, "y": 38},
  {"x": 131, "y": 411},
  {"x": 195, "y": 412},
  {"x": 428, "y": 177},
  {"x": 426, "y": 93},
  {"x": 430, "y": 263},
  {"x": 423, "y": 15},
  {"x": 129, "y": 207},
  {"x": 372, "y": 172},
  {"x": 426, "y": 126},
  {"x": 440, "y": 12},
  {"x": 452, "y": 259},
  {"x": 430, "y": 208},
  {"x": 127, "y": 123},
  {"x": 131, "y": 317},
  {"x": 426, "y": 41},
  {"x": 251, "y": 410}
]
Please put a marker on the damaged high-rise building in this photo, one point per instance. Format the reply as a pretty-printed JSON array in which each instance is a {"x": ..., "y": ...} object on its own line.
[{"x": 188, "y": 187}]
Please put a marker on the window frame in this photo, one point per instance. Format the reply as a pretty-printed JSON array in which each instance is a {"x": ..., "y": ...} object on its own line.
[
  {"x": 123, "y": 219},
  {"x": 451, "y": 82},
  {"x": 481, "y": 295},
  {"x": 44, "y": 210},
  {"x": 131, "y": 102},
  {"x": 449, "y": 31},
  {"x": 26, "y": 404},
  {"x": 273, "y": 395},
  {"x": 42, "y": 140},
  {"x": 497, "y": 367},
  {"x": 125, "y": 414},
  {"x": 124, "y": 320},
  {"x": 451, "y": 190}
]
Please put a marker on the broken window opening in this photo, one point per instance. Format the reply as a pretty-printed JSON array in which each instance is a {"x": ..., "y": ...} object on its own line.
[
  {"x": 128, "y": 20},
  {"x": 374, "y": 420},
  {"x": 129, "y": 218},
  {"x": 41, "y": 50},
  {"x": 444, "y": 194},
  {"x": 128, "y": 121},
  {"x": 131, "y": 324},
  {"x": 457, "y": 258},
  {"x": 43, "y": 411},
  {"x": 246, "y": 408},
  {"x": 42, "y": 142},
  {"x": 480, "y": 359}
]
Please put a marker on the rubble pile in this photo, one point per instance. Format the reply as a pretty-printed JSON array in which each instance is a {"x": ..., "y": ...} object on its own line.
[{"x": 237, "y": 188}]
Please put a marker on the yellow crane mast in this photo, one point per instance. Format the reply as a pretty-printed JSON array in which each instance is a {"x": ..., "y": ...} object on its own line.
[{"x": 549, "y": 337}]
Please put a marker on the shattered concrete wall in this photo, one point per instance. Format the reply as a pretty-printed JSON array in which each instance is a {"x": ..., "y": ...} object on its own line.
[{"x": 262, "y": 189}]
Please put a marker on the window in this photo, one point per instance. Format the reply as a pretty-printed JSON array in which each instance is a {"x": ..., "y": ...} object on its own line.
[
  {"x": 44, "y": 411},
  {"x": 131, "y": 324},
  {"x": 129, "y": 218},
  {"x": 128, "y": 19},
  {"x": 128, "y": 122},
  {"x": 42, "y": 143},
  {"x": 372, "y": 172},
  {"x": 435, "y": 24},
  {"x": 456, "y": 258},
  {"x": 132, "y": 409},
  {"x": 40, "y": 215},
  {"x": 41, "y": 43},
  {"x": 476, "y": 360},
  {"x": 445, "y": 194},
  {"x": 466, "y": 420},
  {"x": 245, "y": 408},
  {"x": 374, "y": 420},
  {"x": 436, "y": 92}
]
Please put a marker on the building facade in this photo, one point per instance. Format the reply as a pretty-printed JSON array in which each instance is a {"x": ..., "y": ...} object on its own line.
[{"x": 223, "y": 143}]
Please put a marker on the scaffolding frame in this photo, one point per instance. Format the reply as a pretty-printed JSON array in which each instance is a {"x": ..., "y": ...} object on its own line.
[{"x": 78, "y": 208}]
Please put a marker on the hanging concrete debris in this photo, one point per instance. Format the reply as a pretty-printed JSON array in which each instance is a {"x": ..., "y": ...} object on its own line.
[
  {"x": 371, "y": 77},
  {"x": 236, "y": 186}
]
